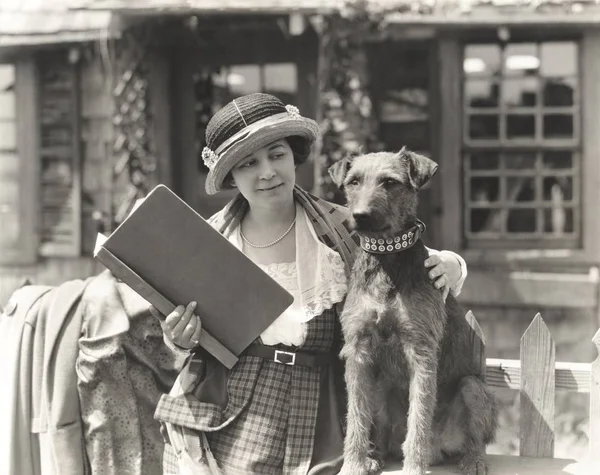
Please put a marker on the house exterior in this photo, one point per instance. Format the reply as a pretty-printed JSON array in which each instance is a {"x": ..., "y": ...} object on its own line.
[{"x": 503, "y": 94}]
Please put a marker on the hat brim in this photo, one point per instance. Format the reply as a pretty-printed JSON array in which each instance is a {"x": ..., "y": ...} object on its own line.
[{"x": 287, "y": 127}]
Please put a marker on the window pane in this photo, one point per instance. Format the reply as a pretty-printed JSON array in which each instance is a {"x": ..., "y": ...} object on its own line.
[
  {"x": 244, "y": 79},
  {"x": 483, "y": 127},
  {"x": 8, "y": 136},
  {"x": 519, "y": 160},
  {"x": 558, "y": 221},
  {"x": 520, "y": 92},
  {"x": 9, "y": 178},
  {"x": 558, "y": 126},
  {"x": 521, "y": 59},
  {"x": 7, "y": 77},
  {"x": 7, "y": 105},
  {"x": 481, "y": 93},
  {"x": 485, "y": 189},
  {"x": 9, "y": 199},
  {"x": 482, "y": 60},
  {"x": 486, "y": 220},
  {"x": 520, "y": 189},
  {"x": 558, "y": 58},
  {"x": 558, "y": 189},
  {"x": 484, "y": 161},
  {"x": 559, "y": 92},
  {"x": 520, "y": 126},
  {"x": 56, "y": 172},
  {"x": 558, "y": 160},
  {"x": 9, "y": 162},
  {"x": 521, "y": 220},
  {"x": 281, "y": 80}
]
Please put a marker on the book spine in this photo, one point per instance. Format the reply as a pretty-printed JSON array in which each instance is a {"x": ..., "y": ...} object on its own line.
[{"x": 123, "y": 272}]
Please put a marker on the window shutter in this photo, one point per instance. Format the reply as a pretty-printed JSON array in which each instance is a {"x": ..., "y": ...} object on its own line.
[
  {"x": 60, "y": 173},
  {"x": 18, "y": 161}
]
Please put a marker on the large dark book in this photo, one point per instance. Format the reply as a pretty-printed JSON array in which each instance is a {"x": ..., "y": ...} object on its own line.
[{"x": 170, "y": 255}]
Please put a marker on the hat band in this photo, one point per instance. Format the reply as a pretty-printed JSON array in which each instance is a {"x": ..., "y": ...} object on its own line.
[{"x": 210, "y": 158}]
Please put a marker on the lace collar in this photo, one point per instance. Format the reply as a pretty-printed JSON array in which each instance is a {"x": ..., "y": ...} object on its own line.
[{"x": 321, "y": 275}]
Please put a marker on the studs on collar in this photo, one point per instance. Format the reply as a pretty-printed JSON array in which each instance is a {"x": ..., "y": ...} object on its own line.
[{"x": 395, "y": 244}]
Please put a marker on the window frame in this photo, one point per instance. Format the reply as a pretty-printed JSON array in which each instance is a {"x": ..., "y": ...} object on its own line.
[
  {"x": 537, "y": 144},
  {"x": 450, "y": 148},
  {"x": 24, "y": 251}
]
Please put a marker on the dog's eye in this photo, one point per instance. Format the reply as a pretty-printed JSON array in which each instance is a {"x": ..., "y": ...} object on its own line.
[
  {"x": 390, "y": 182},
  {"x": 353, "y": 182}
]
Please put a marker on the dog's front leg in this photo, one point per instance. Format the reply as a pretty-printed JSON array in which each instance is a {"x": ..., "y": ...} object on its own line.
[
  {"x": 357, "y": 444},
  {"x": 422, "y": 401}
]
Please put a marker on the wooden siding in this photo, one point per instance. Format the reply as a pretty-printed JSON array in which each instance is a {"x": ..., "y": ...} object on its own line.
[{"x": 95, "y": 145}]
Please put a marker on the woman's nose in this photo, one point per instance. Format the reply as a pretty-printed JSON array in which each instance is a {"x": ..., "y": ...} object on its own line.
[{"x": 266, "y": 170}]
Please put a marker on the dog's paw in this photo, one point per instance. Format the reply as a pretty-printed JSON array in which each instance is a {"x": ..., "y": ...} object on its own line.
[
  {"x": 368, "y": 466},
  {"x": 473, "y": 466}
]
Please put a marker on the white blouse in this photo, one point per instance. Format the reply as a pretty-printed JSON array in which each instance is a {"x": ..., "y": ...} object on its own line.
[
  {"x": 290, "y": 326},
  {"x": 317, "y": 281}
]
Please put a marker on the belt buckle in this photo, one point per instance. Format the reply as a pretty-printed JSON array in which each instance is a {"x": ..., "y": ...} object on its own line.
[{"x": 289, "y": 358}]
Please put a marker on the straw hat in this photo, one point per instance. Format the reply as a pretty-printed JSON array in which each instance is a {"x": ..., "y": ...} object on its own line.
[{"x": 245, "y": 125}]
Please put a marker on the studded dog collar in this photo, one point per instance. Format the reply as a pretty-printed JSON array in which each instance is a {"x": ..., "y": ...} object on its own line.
[{"x": 391, "y": 245}]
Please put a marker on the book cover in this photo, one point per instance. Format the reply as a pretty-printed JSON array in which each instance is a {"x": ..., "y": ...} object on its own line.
[{"x": 170, "y": 255}]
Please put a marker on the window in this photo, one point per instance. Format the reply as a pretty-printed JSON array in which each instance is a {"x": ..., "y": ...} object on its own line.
[
  {"x": 522, "y": 144},
  {"x": 60, "y": 194},
  {"x": 9, "y": 160}
]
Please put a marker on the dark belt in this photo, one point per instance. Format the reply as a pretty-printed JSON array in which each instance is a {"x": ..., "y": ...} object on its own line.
[{"x": 290, "y": 358}]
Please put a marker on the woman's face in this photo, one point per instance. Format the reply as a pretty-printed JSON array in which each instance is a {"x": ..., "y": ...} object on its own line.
[{"x": 266, "y": 177}]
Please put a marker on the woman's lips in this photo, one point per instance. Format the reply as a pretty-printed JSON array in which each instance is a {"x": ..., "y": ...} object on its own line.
[{"x": 271, "y": 188}]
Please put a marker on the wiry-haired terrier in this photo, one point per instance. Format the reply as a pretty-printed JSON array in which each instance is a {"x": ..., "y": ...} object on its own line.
[{"x": 414, "y": 390}]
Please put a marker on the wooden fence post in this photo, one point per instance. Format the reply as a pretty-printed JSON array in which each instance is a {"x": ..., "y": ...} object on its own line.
[
  {"x": 595, "y": 402},
  {"x": 538, "y": 361},
  {"x": 478, "y": 343}
]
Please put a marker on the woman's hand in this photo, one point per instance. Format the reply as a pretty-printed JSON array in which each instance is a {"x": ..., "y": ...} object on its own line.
[
  {"x": 444, "y": 271},
  {"x": 182, "y": 327}
]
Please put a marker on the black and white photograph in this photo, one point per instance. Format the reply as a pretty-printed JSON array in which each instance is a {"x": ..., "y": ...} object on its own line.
[{"x": 299, "y": 237}]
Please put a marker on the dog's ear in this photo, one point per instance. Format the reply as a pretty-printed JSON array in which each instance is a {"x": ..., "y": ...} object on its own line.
[
  {"x": 420, "y": 168},
  {"x": 339, "y": 169}
]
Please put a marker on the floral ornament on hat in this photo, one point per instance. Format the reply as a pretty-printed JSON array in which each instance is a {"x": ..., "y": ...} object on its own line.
[
  {"x": 293, "y": 111},
  {"x": 209, "y": 157}
]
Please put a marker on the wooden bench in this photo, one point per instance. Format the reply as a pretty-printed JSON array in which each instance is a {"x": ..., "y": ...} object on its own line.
[{"x": 537, "y": 386}]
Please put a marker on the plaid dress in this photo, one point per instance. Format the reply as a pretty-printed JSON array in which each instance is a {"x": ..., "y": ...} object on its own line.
[{"x": 263, "y": 417}]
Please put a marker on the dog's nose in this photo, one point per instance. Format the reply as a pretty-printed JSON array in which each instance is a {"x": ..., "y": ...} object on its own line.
[{"x": 361, "y": 217}]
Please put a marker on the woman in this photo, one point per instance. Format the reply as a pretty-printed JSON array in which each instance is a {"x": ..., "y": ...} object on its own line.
[{"x": 262, "y": 416}]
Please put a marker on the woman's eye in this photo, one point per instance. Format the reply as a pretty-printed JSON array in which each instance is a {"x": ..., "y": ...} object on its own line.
[
  {"x": 277, "y": 156},
  {"x": 248, "y": 164}
]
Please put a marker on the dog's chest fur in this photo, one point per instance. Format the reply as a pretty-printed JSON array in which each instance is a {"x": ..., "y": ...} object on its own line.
[{"x": 392, "y": 301}]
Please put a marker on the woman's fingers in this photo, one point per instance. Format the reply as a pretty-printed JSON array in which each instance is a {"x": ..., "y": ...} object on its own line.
[
  {"x": 441, "y": 281},
  {"x": 182, "y": 327},
  {"x": 436, "y": 271},
  {"x": 185, "y": 318},
  {"x": 432, "y": 260},
  {"x": 173, "y": 318},
  {"x": 195, "y": 339},
  {"x": 189, "y": 329}
]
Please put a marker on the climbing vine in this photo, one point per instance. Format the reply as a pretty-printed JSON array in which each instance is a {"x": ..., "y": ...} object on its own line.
[
  {"x": 134, "y": 158},
  {"x": 347, "y": 122}
]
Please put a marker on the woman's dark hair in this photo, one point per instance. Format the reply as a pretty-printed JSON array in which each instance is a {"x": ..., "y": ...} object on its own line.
[{"x": 300, "y": 148}]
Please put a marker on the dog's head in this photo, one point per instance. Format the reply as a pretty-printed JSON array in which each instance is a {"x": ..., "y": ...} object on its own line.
[{"x": 381, "y": 188}]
